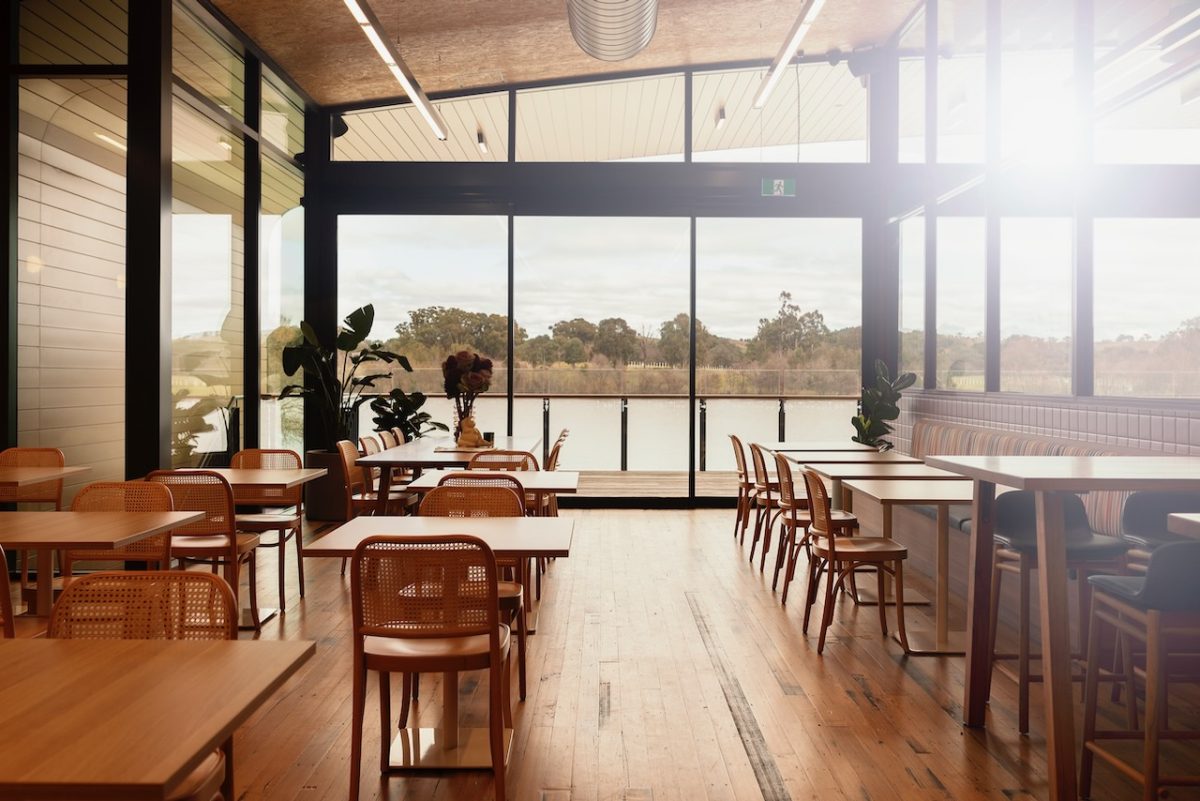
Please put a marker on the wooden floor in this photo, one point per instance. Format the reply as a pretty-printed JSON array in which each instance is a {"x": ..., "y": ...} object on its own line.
[{"x": 664, "y": 669}]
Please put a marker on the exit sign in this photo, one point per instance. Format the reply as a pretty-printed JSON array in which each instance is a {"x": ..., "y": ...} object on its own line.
[{"x": 778, "y": 187}]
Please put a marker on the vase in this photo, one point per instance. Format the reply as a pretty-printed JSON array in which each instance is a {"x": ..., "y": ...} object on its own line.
[{"x": 460, "y": 415}]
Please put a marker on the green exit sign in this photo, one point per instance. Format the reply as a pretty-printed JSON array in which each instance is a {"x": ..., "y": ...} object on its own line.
[{"x": 778, "y": 187}]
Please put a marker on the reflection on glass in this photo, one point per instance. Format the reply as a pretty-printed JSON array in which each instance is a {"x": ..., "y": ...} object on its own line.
[
  {"x": 207, "y": 63},
  {"x": 282, "y": 122},
  {"x": 1035, "y": 305},
  {"x": 281, "y": 299},
  {"x": 207, "y": 241},
  {"x": 1144, "y": 346},
  {"x": 603, "y": 305},
  {"x": 960, "y": 303},
  {"x": 439, "y": 284},
  {"x": 912, "y": 92},
  {"x": 57, "y": 32},
  {"x": 962, "y": 96},
  {"x": 912, "y": 296}
]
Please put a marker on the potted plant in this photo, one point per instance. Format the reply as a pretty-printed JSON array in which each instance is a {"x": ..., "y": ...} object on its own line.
[
  {"x": 879, "y": 405},
  {"x": 336, "y": 382},
  {"x": 399, "y": 409}
]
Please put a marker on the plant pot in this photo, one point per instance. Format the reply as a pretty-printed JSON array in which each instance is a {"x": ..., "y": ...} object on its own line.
[{"x": 325, "y": 498}]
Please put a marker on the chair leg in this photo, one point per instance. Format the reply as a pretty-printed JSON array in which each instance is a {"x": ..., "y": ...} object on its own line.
[
  {"x": 416, "y": 686},
  {"x": 994, "y": 606},
  {"x": 282, "y": 548},
  {"x": 737, "y": 520},
  {"x": 786, "y": 537},
  {"x": 1091, "y": 691},
  {"x": 1156, "y": 702},
  {"x": 1023, "y": 649},
  {"x": 881, "y": 596},
  {"x": 810, "y": 591},
  {"x": 299, "y": 535},
  {"x": 758, "y": 514},
  {"x": 521, "y": 653},
  {"x": 900, "y": 628},
  {"x": 770, "y": 523},
  {"x": 385, "y": 719},
  {"x": 496, "y": 731},
  {"x": 252, "y": 579},
  {"x": 1131, "y": 706},
  {"x": 405, "y": 690},
  {"x": 831, "y": 579},
  {"x": 356, "y": 723}
]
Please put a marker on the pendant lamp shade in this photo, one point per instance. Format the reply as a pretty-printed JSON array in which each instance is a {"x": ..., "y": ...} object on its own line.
[{"x": 612, "y": 30}]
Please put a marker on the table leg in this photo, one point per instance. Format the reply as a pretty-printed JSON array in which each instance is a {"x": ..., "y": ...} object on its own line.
[
  {"x": 450, "y": 710},
  {"x": 977, "y": 683},
  {"x": 944, "y": 642},
  {"x": 866, "y": 595},
  {"x": 45, "y": 581},
  {"x": 1056, "y": 647}
]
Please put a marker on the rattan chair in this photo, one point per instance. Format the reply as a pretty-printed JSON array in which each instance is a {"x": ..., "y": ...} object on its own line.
[
  {"x": 156, "y": 605},
  {"x": 478, "y": 496},
  {"x": 1144, "y": 523},
  {"x": 361, "y": 496},
  {"x": 745, "y": 496},
  {"x": 794, "y": 522},
  {"x": 1015, "y": 535},
  {"x": 766, "y": 504},
  {"x": 503, "y": 460},
  {"x": 426, "y": 604},
  {"x": 1162, "y": 611},
  {"x": 839, "y": 557},
  {"x": 398, "y": 433},
  {"x": 283, "y": 509},
  {"x": 124, "y": 496},
  {"x": 214, "y": 539},
  {"x": 48, "y": 492}
]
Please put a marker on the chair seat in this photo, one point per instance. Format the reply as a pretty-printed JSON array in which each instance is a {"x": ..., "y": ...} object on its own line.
[
  {"x": 1093, "y": 548},
  {"x": 266, "y": 521},
  {"x": 864, "y": 549},
  {"x": 433, "y": 654},
  {"x": 1148, "y": 543},
  {"x": 216, "y": 545},
  {"x": 510, "y": 589},
  {"x": 204, "y": 782},
  {"x": 1127, "y": 588}
]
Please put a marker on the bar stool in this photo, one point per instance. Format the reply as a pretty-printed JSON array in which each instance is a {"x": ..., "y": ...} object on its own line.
[{"x": 1156, "y": 610}]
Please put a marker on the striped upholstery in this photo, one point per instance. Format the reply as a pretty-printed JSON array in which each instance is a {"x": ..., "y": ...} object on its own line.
[{"x": 937, "y": 438}]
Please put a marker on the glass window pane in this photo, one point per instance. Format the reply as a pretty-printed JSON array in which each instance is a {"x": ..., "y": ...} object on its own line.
[
  {"x": 208, "y": 64},
  {"x": 439, "y": 284},
  {"x": 816, "y": 113},
  {"x": 1146, "y": 346},
  {"x": 912, "y": 92},
  {"x": 281, "y": 300},
  {"x": 74, "y": 32},
  {"x": 71, "y": 273},
  {"x": 400, "y": 133},
  {"x": 912, "y": 297},
  {"x": 961, "y": 261},
  {"x": 1036, "y": 265},
  {"x": 282, "y": 115},
  {"x": 962, "y": 97},
  {"x": 207, "y": 244},
  {"x": 639, "y": 119},
  {"x": 591, "y": 339}
]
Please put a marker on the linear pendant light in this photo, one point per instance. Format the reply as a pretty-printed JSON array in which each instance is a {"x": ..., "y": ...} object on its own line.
[
  {"x": 371, "y": 27},
  {"x": 799, "y": 31}
]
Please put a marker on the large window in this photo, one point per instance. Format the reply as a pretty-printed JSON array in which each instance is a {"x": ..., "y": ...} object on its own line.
[
  {"x": 1147, "y": 326},
  {"x": 603, "y": 303},
  {"x": 912, "y": 296},
  {"x": 1035, "y": 305},
  {"x": 281, "y": 300},
  {"x": 962, "y": 88},
  {"x": 960, "y": 303}
]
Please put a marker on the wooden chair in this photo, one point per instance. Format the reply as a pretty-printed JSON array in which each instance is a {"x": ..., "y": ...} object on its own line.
[
  {"x": 363, "y": 497},
  {"x": 839, "y": 557},
  {"x": 766, "y": 503},
  {"x": 398, "y": 433},
  {"x": 426, "y": 604},
  {"x": 745, "y": 495},
  {"x": 795, "y": 521},
  {"x": 156, "y": 605},
  {"x": 478, "y": 496},
  {"x": 388, "y": 439},
  {"x": 503, "y": 460},
  {"x": 1016, "y": 552},
  {"x": 1144, "y": 523},
  {"x": 124, "y": 496},
  {"x": 48, "y": 492},
  {"x": 1162, "y": 611},
  {"x": 283, "y": 509},
  {"x": 215, "y": 539}
]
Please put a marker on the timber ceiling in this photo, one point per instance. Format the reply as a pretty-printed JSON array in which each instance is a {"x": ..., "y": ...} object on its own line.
[{"x": 455, "y": 45}]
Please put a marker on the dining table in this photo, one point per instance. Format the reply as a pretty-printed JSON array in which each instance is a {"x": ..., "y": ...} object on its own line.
[
  {"x": 1185, "y": 524},
  {"x": 29, "y": 476},
  {"x": 425, "y": 453},
  {"x": 46, "y": 533},
  {"x": 890, "y": 493},
  {"x": 1050, "y": 478},
  {"x": 127, "y": 720},
  {"x": 519, "y": 538},
  {"x": 849, "y": 457},
  {"x": 792, "y": 445}
]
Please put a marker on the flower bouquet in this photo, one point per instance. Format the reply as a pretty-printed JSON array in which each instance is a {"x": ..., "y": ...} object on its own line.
[{"x": 466, "y": 375}]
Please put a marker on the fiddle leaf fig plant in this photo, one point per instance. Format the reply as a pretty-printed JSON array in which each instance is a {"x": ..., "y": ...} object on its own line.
[
  {"x": 878, "y": 406},
  {"x": 402, "y": 410},
  {"x": 336, "y": 383}
]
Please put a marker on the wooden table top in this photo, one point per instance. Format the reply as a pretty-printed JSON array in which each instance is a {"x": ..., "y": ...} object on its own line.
[
  {"x": 86, "y": 529},
  {"x": 1187, "y": 525},
  {"x": 1078, "y": 473},
  {"x": 126, "y": 719},
  {"x": 850, "y": 457},
  {"x": 424, "y": 452},
  {"x": 507, "y": 536},
  {"x": 817, "y": 445},
  {"x": 25, "y": 476},
  {"x": 885, "y": 470},
  {"x": 561, "y": 481},
  {"x": 915, "y": 491},
  {"x": 281, "y": 479}
]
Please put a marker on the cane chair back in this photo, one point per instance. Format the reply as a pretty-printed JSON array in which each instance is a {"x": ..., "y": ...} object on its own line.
[
  {"x": 819, "y": 506},
  {"x": 400, "y": 436},
  {"x": 472, "y": 501},
  {"x": 552, "y": 459},
  {"x": 125, "y": 496},
  {"x": 762, "y": 478},
  {"x": 267, "y": 459},
  {"x": 46, "y": 491},
  {"x": 789, "y": 500},
  {"x": 200, "y": 491},
  {"x": 369, "y": 445},
  {"x": 151, "y": 605},
  {"x": 503, "y": 460},
  {"x": 388, "y": 439},
  {"x": 355, "y": 475},
  {"x": 739, "y": 457},
  {"x": 7, "y": 629}
]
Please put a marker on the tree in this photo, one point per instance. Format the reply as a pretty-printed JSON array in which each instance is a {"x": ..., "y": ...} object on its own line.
[
  {"x": 540, "y": 350},
  {"x": 578, "y": 328},
  {"x": 674, "y": 336},
  {"x": 791, "y": 330},
  {"x": 446, "y": 328},
  {"x": 573, "y": 351},
  {"x": 616, "y": 340}
]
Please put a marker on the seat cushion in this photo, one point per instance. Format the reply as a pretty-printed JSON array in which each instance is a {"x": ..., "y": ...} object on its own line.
[
  {"x": 510, "y": 589},
  {"x": 204, "y": 782},
  {"x": 267, "y": 519},
  {"x": 869, "y": 548},
  {"x": 1095, "y": 547},
  {"x": 216, "y": 545},
  {"x": 1148, "y": 543},
  {"x": 469, "y": 649},
  {"x": 1127, "y": 588}
]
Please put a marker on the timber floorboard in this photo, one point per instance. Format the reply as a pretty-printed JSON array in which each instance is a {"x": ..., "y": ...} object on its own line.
[{"x": 664, "y": 669}]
